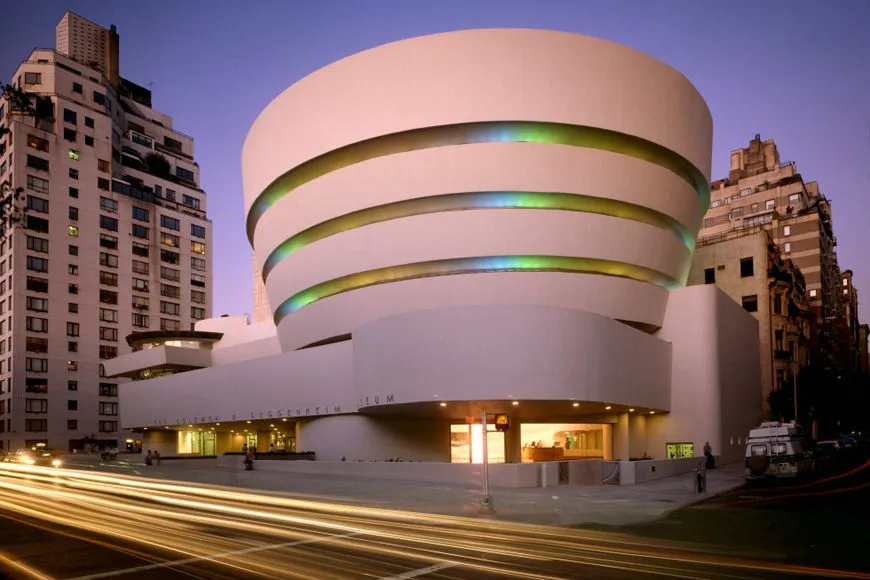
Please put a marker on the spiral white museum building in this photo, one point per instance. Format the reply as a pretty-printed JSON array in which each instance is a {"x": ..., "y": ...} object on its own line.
[{"x": 498, "y": 219}]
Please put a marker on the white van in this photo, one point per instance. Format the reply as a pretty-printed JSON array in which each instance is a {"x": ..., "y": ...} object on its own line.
[{"x": 777, "y": 450}]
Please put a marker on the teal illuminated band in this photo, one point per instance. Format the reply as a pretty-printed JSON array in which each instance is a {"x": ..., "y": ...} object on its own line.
[
  {"x": 472, "y": 266},
  {"x": 482, "y": 132},
  {"x": 478, "y": 200}
]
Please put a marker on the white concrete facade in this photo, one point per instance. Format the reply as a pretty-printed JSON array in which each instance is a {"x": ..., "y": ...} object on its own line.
[{"x": 504, "y": 219}]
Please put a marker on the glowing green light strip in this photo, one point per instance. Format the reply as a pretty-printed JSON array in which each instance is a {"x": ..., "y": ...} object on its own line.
[
  {"x": 478, "y": 200},
  {"x": 471, "y": 266},
  {"x": 484, "y": 132}
]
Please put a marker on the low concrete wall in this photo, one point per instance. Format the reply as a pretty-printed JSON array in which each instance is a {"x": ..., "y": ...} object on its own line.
[
  {"x": 631, "y": 472},
  {"x": 586, "y": 472}
]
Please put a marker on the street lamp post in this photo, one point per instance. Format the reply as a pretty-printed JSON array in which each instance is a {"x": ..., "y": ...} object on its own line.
[{"x": 486, "y": 506}]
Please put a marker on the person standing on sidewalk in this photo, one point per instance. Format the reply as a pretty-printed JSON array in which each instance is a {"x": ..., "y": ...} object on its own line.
[{"x": 708, "y": 453}]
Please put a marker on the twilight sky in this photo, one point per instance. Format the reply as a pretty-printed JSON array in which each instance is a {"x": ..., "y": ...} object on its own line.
[{"x": 797, "y": 71}]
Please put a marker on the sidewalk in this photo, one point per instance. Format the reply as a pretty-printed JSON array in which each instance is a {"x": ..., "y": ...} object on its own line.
[{"x": 565, "y": 505}]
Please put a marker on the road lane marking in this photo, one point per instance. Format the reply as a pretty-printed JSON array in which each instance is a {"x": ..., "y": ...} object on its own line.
[
  {"x": 212, "y": 557},
  {"x": 421, "y": 571}
]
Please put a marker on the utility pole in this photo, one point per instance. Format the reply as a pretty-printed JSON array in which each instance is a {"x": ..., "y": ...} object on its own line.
[{"x": 486, "y": 506}]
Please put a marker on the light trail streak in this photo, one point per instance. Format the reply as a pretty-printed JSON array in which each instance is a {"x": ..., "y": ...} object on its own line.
[{"x": 264, "y": 534}]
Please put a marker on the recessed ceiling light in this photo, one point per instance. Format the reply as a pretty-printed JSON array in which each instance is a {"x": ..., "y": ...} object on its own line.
[
  {"x": 607, "y": 408},
  {"x": 576, "y": 404},
  {"x": 283, "y": 419},
  {"x": 247, "y": 421},
  {"x": 515, "y": 403},
  {"x": 652, "y": 412},
  {"x": 443, "y": 404},
  {"x": 217, "y": 423},
  {"x": 631, "y": 410}
]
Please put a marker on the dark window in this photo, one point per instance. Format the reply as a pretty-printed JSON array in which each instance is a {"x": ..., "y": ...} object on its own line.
[
  {"x": 108, "y": 390},
  {"x": 170, "y": 223},
  {"x": 107, "y": 241},
  {"x": 190, "y": 201},
  {"x": 89, "y": 141},
  {"x": 169, "y": 257},
  {"x": 103, "y": 183},
  {"x": 108, "y": 426},
  {"x": 37, "y": 204},
  {"x": 73, "y": 192},
  {"x": 37, "y": 425},
  {"x": 140, "y": 250},
  {"x": 89, "y": 122},
  {"x": 747, "y": 267},
  {"x": 72, "y": 424},
  {"x": 183, "y": 173},
  {"x": 73, "y": 250},
  {"x": 36, "y": 384},
  {"x": 37, "y": 162},
  {"x": 197, "y": 231},
  {"x": 108, "y": 297},
  {"x": 107, "y": 352},
  {"x": 141, "y": 214},
  {"x": 37, "y": 284},
  {"x": 77, "y": 88},
  {"x": 72, "y": 405},
  {"x": 709, "y": 275},
  {"x": 73, "y": 173},
  {"x": 99, "y": 98},
  {"x": 73, "y": 213},
  {"x": 140, "y": 231},
  {"x": 72, "y": 385},
  {"x": 69, "y": 134},
  {"x": 37, "y": 224},
  {"x": 32, "y": 78},
  {"x": 750, "y": 303},
  {"x": 108, "y": 223},
  {"x": 70, "y": 117}
]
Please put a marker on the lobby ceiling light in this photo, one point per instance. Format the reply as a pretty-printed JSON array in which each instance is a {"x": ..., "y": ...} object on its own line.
[
  {"x": 607, "y": 408},
  {"x": 576, "y": 405},
  {"x": 443, "y": 404},
  {"x": 652, "y": 412},
  {"x": 515, "y": 403},
  {"x": 271, "y": 426},
  {"x": 218, "y": 424},
  {"x": 631, "y": 410},
  {"x": 248, "y": 422}
]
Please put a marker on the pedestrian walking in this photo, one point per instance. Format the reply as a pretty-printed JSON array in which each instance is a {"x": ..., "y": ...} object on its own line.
[
  {"x": 148, "y": 458},
  {"x": 708, "y": 453}
]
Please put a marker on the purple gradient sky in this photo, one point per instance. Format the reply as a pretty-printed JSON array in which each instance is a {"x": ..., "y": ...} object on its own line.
[{"x": 796, "y": 71}]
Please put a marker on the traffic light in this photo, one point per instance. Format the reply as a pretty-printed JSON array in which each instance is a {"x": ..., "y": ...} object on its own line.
[{"x": 502, "y": 422}]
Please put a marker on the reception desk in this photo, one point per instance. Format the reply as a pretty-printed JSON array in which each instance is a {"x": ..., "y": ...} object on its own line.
[{"x": 535, "y": 454}]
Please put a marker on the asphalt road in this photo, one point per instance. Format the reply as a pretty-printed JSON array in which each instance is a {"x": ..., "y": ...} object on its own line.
[{"x": 83, "y": 525}]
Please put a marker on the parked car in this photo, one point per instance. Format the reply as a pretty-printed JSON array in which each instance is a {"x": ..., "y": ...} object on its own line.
[
  {"x": 43, "y": 457},
  {"x": 825, "y": 453}
]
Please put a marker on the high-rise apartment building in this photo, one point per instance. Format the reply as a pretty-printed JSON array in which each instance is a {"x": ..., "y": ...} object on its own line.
[
  {"x": 112, "y": 238},
  {"x": 760, "y": 190}
]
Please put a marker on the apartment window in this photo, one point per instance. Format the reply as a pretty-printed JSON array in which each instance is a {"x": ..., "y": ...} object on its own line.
[
  {"x": 108, "y": 426},
  {"x": 169, "y": 257},
  {"x": 33, "y": 344},
  {"x": 89, "y": 122},
  {"x": 72, "y": 425},
  {"x": 787, "y": 247},
  {"x": 73, "y": 154},
  {"x": 99, "y": 98},
  {"x": 140, "y": 250},
  {"x": 141, "y": 267},
  {"x": 37, "y": 284},
  {"x": 73, "y": 250},
  {"x": 169, "y": 240},
  {"x": 72, "y": 328},
  {"x": 108, "y": 278},
  {"x": 32, "y": 78},
  {"x": 813, "y": 293},
  {"x": 109, "y": 260},
  {"x": 36, "y": 385},
  {"x": 73, "y": 173},
  {"x": 102, "y": 184},
  {"x": 108, "y": 352},
  {"x": 185, "y": 174},
  {"x": 140, "y": 302},
  {"x": 168, "y": 324},
  {"x": 73, "y": 213},
  {"x": 140, "y": 285},
  {"x": 197, "y": 280},
  {"x": 108, "y": 390},
  {"x": 197, "y": 264},
  {"x": 72, "y": 308},
  {"x": 37, "y": 304},
  {"x": 777, "y": 304},
  {"x": 72, "y": 385},
  {"x": 36, "y": 365},
  {"x": 37, "y": 143},
  {"x": 107, "y": 408},
  {"x": 170, "y": 143},
  {"x": 108, "y": 204},
  {"x": 140, "y": 232},
  {"x": 108, "y": 296},
  {"x": 747, "y": 267},
  {"x": 36, "y": 324},
  {"x": 197, "y": 247},
  {"x": 70, "y": 135},
  {"x": 37, "y": 224},
  {"x": 36, "y": 425},
  {"x": 750, "y": 303},
  {"x": 72, "y": 288},
  {"x": 72, "y": 365},
  {"x": 753, "y": 208},
  {"x": 37, "y": 264},
  {"x": 37, "y": 204},
  {"x": 37, "y": 184},
  {"x": 188, "y": 200},
  {"x": 36, "y": 405},
  {"x": 708, "y": 222},
  {"x": 170, "y": 291},
  {"x": 197, "y": 313},
  {"x": 103, "y": 166},
  {"x": 170, "y": 223},
  {"x": 197, "y": 231},
  {"x": 37, "y": 163},
  {"x": 169, "y": 308},
  {"x": 140, "y": 320},
  {"x": 72, "y": 405},
  {"x": 794, "y": 199},
  {"x": 786, "y": 230},
  {"x": 197, "y": 297},
  {"x": 141, "y": 139},
  {"x": 170, "y": 194},
  {"x": 108, "y": 223},
  {"x": 140, "y": 213},
  {"x": 73, "y": 270},
  {"x": 108, "y": 315},
  {"x": 769, "y": 204},
  {"x": 89, "y": 141},
  {"x": 74, "y": 192},
  {"x": 77, "y": 88},
  {"x": 37, "y": 244},
  {"x": 73, "y": 231},
  {"x": 108, "y": 241},
  {"x": 70, "y": 117},
  {"x": 72, "y": 346}
]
